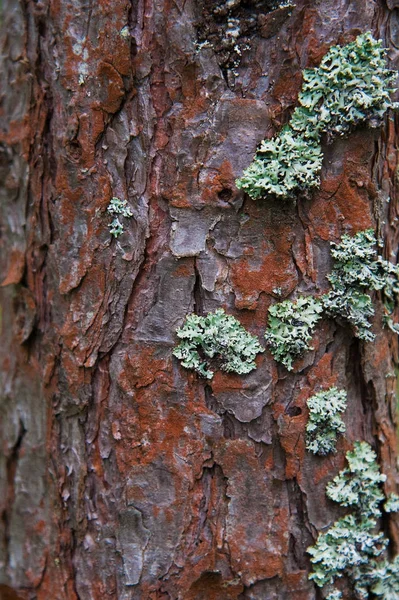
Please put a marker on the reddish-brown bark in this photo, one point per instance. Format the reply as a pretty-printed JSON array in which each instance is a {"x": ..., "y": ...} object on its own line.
[{"x": 123, "y": 475}]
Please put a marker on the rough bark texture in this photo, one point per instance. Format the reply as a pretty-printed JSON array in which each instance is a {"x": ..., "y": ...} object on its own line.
[{"x": 121, "y": 474}]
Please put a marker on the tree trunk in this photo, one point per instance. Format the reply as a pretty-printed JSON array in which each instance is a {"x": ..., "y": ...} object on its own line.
[{"x": 122, "y": 474}]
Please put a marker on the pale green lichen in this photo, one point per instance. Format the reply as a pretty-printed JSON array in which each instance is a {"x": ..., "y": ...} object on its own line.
[
  {"x": 219, "y": 340},
  {"x": 352, "y": 306},
  {"x": 291, "y": 327},
  {"x": 352, "y": 85},
  {"x": 392, "y": 503},
  {"x": 283, "y": 165},
  {"x": 386, "y": 580},
  {"x": 334, "y": 595},
  {"x": 358, "y": 485},
  {"x": 325, "y": 422},
  {"x": 118, "y": 207},
  {"x": 353, "y": 547},
  {"x": 346, "y": 547},
  {"x": 358, "y": 268}
]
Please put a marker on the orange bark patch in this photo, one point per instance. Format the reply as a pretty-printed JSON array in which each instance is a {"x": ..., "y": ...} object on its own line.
[
  {"x": 276, "y": 270},
  {"x": 16, "y": 267}
]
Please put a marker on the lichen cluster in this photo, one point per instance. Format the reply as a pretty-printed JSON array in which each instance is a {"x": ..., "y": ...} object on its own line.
[
  {"x": 353, "y": 546},
  {"x": 358, "y": 268},
  {"x": 217, "y": 339},
  {"x": 351, "y": 86},
  {"x": 291, "y": 327},
  {"x": 325, "y": 421},
  {"x": 118, "y": 208}
]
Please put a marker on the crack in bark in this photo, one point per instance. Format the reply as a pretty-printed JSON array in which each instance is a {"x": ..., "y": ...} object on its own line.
[
  {"x": 11, "y": 469},
  {"x": 198, "y": 307}
]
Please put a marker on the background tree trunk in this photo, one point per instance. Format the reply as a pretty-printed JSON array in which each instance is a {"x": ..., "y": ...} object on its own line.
[{"x": 122, "y": 475}]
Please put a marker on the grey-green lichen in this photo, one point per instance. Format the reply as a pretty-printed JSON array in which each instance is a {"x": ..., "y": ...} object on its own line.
[
  {"x": 325, "y": 421},
  {"x": 219, "y": 340},
  {"x": 118, "y": 208},
  {"x": 353, "y": 546},
  {"x": 358, "y": 485},
  {"x": 352, "y": 85},
  {"x": 284, "y": 165},
  {"x": 334, "y": 595},
  {"x": 392, "y": 503},
  {"x": 385, "y": 579},
  {"x": 358, "y": 268},
  {"x": 291, "y": 327}
]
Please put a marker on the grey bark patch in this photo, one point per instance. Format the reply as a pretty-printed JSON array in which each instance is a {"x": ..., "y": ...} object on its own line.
[
  {"x": 132, "y": 538},
  {"x": 246, "y": 404},
  {"x": 211, "y": 425},
  {"x": 190, "y": 230},
  {"x": 161, "y": 496},
  {"x": 210, "y": 268},
  {"x": 241, "y": 124},
  {"x": 260, "y": 430},
  {"x": 171, "y": 304}
]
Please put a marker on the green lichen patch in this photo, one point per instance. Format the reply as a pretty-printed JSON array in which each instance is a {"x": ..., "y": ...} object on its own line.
[
  {"x": 325, "y": 421},
  {"x": 334, "y": 595},
  {"x": 352, "y": 306},
  {"x": 345, "y": 548},
  {"x": 385, "y": 577},
  {"x": 359, "y": 484},
  {"x": 291, "y": 327},
  {"x": 351, "y": 86},
  {"x": 216, "y": 339},
  {"x": 353, "y": 546},
  {"x": 358, "y": 268},
  {"x": 392, "y": 503},
  {"x": 284, "y": 165},
  {"x": 118, "y": 208}
]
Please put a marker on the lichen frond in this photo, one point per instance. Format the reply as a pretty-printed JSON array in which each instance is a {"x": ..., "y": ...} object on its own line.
[{"x": 217, "y": 337}]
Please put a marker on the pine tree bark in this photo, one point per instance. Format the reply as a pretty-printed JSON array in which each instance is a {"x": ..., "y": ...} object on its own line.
[{"x": 123, "y": 475}]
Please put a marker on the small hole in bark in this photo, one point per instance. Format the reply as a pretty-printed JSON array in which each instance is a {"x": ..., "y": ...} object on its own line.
[
  {"x": 7, "y": 593},
  {"x": 293, "y": 411},
  {"x": 225, "y": 194},
  {"x": 74, "y": 150}
]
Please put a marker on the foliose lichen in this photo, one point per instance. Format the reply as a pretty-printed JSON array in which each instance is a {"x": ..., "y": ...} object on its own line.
[
  {"x": 291, "y": 327},
  {"x": 358, "y": 485},
  {"x": 352, "y": 85},
  {"x": 345, "y": 549},
  {"x": 118, "y": 207},
  {"x": 392, "y": 504},
  {"x": 358, "y": 268},
  {"x": 353, "y": 546},
  {"x": 325, "y": 422},
  {"x": 385, "y": 579},
  {"x": 334, "y": 595},
  {"x": 283, "y": 165},
  {"x": 216, "y": 339}
]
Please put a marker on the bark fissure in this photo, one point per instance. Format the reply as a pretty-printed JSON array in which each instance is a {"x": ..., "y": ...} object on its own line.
[{"x": 11, "y": 470}]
